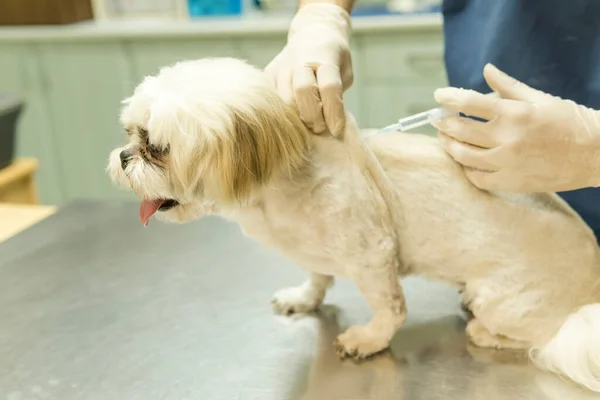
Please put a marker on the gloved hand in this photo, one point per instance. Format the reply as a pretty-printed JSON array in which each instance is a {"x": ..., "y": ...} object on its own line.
[
  {"x": 532, "y": 142},
  {"x": 314, "y": 68}
]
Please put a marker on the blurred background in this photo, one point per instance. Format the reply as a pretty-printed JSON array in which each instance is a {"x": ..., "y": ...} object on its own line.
[{"x": 65, "y": 66}]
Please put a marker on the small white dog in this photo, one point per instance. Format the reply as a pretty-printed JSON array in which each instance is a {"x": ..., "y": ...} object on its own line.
[{"x": 213, "y": 137}]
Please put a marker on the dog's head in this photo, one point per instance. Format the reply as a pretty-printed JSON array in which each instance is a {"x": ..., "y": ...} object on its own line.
[{"x": 205, "y": 135}]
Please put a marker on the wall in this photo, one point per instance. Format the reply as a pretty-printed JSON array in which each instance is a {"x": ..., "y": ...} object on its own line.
[{"x": 74, "y": 78}]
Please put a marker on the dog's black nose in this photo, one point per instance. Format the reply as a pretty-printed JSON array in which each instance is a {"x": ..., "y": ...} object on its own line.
[{"x": 125, "y": 157}]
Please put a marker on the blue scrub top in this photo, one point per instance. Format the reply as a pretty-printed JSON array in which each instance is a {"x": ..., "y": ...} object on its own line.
[{"x": 551, "y": 45}]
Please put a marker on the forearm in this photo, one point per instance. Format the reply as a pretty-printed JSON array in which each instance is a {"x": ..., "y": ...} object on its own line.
[{"x": 345, "y": 4}]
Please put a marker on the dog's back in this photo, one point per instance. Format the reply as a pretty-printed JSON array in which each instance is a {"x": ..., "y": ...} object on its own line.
[
  {"x": 443, "y": 209},
  {"x": 526, "y": 260}
]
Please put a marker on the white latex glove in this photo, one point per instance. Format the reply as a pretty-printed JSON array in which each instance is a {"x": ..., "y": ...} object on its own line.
[
  {"x": 314, "y": 69},
  {"x": 532, "y": 142}
]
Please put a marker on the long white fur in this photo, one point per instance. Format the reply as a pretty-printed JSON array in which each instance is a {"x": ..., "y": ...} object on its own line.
[{"x": 372, "y": 211}]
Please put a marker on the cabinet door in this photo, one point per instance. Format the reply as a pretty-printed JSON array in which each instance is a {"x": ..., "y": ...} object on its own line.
[
  {"x": 86, "y": 83},
  {"x": 403, "y": 57},
  {"x": 21, "y": 74},
  {"x": 354, "y": 96},
  {"x": 259, "y": 50},
  {"x": 399, "y": 72},
  {"x": 147, "y": 57},
  {"x": 387, "y": 103}
]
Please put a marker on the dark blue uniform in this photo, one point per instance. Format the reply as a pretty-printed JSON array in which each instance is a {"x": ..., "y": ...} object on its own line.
[{"x": 551, "y": 45}]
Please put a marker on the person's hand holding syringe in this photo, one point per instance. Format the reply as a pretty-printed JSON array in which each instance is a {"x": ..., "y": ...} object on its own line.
[
  {"x": 421, "y": 119},
  {"x": 518, "y": 138}
]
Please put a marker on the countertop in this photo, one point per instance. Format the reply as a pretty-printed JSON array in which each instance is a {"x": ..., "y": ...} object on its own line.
[
  {"x": 208, "y": 27},
  {"x": 93, "y": 306}
]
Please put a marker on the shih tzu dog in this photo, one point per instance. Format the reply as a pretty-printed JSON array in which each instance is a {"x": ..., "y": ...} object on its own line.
[{"x": 213, "y": 137}]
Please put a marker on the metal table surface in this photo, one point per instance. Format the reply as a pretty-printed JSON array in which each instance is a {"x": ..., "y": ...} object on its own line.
[{"x": 95, "y": 307}]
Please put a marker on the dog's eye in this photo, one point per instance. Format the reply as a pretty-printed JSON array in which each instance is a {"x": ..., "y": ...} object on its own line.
[
  {"x": 155, "y": 150},
  {"x": 150, "y": 149}
]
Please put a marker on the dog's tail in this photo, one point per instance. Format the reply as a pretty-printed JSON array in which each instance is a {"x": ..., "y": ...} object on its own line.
[{"x": 574, "y": 352}]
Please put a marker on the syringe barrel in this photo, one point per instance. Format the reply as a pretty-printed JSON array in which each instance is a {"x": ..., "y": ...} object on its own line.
[
  {"x": 421, "y": 119},
  {"x": 424, "y": 118}
]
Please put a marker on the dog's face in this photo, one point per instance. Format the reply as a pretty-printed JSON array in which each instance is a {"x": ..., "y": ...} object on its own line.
[{"x": 204, "y": 136}]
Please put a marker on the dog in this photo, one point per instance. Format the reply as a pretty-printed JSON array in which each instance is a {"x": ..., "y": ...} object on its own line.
[{"x": 211, "y": 136}]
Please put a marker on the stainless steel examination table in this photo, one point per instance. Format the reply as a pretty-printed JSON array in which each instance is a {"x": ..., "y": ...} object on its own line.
[{"x": 93, "y": 306}]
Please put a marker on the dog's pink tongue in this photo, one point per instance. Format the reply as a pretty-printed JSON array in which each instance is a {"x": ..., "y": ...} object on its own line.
[{"x": 148, "y": 208}]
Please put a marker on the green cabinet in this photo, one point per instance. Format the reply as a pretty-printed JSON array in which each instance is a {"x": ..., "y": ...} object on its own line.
[{"x": 73, "y": 80}]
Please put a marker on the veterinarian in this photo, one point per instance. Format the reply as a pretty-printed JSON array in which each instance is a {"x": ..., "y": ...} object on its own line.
[{"x": 535, "y": 140}]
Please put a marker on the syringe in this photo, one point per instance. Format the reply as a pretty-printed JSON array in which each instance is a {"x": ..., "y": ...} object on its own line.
[
  {"x": 417, "y": 120},
  {"x": 423, "y": 118}
]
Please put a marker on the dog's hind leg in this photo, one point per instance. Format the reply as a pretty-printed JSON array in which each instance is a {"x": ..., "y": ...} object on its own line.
[
  {"x": 480, "y": 336},
  {"x": 304, "y": 298},
  {"x": 380, "y": 286}
]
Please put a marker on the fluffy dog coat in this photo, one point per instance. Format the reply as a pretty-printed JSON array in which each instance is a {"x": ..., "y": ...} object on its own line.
[{"x": 212, "y": 137}]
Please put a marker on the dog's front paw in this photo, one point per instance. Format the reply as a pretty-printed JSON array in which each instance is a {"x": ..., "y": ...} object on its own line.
[
  {"x": 296, "y": 300},
  {"x": 359, "y": 342}
]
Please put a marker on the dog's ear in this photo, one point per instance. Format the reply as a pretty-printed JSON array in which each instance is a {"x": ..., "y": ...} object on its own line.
[{"x": 266, "y": 139}]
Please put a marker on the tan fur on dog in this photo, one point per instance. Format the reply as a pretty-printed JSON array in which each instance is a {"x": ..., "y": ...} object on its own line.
[{"x": 370, "y": 211}]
